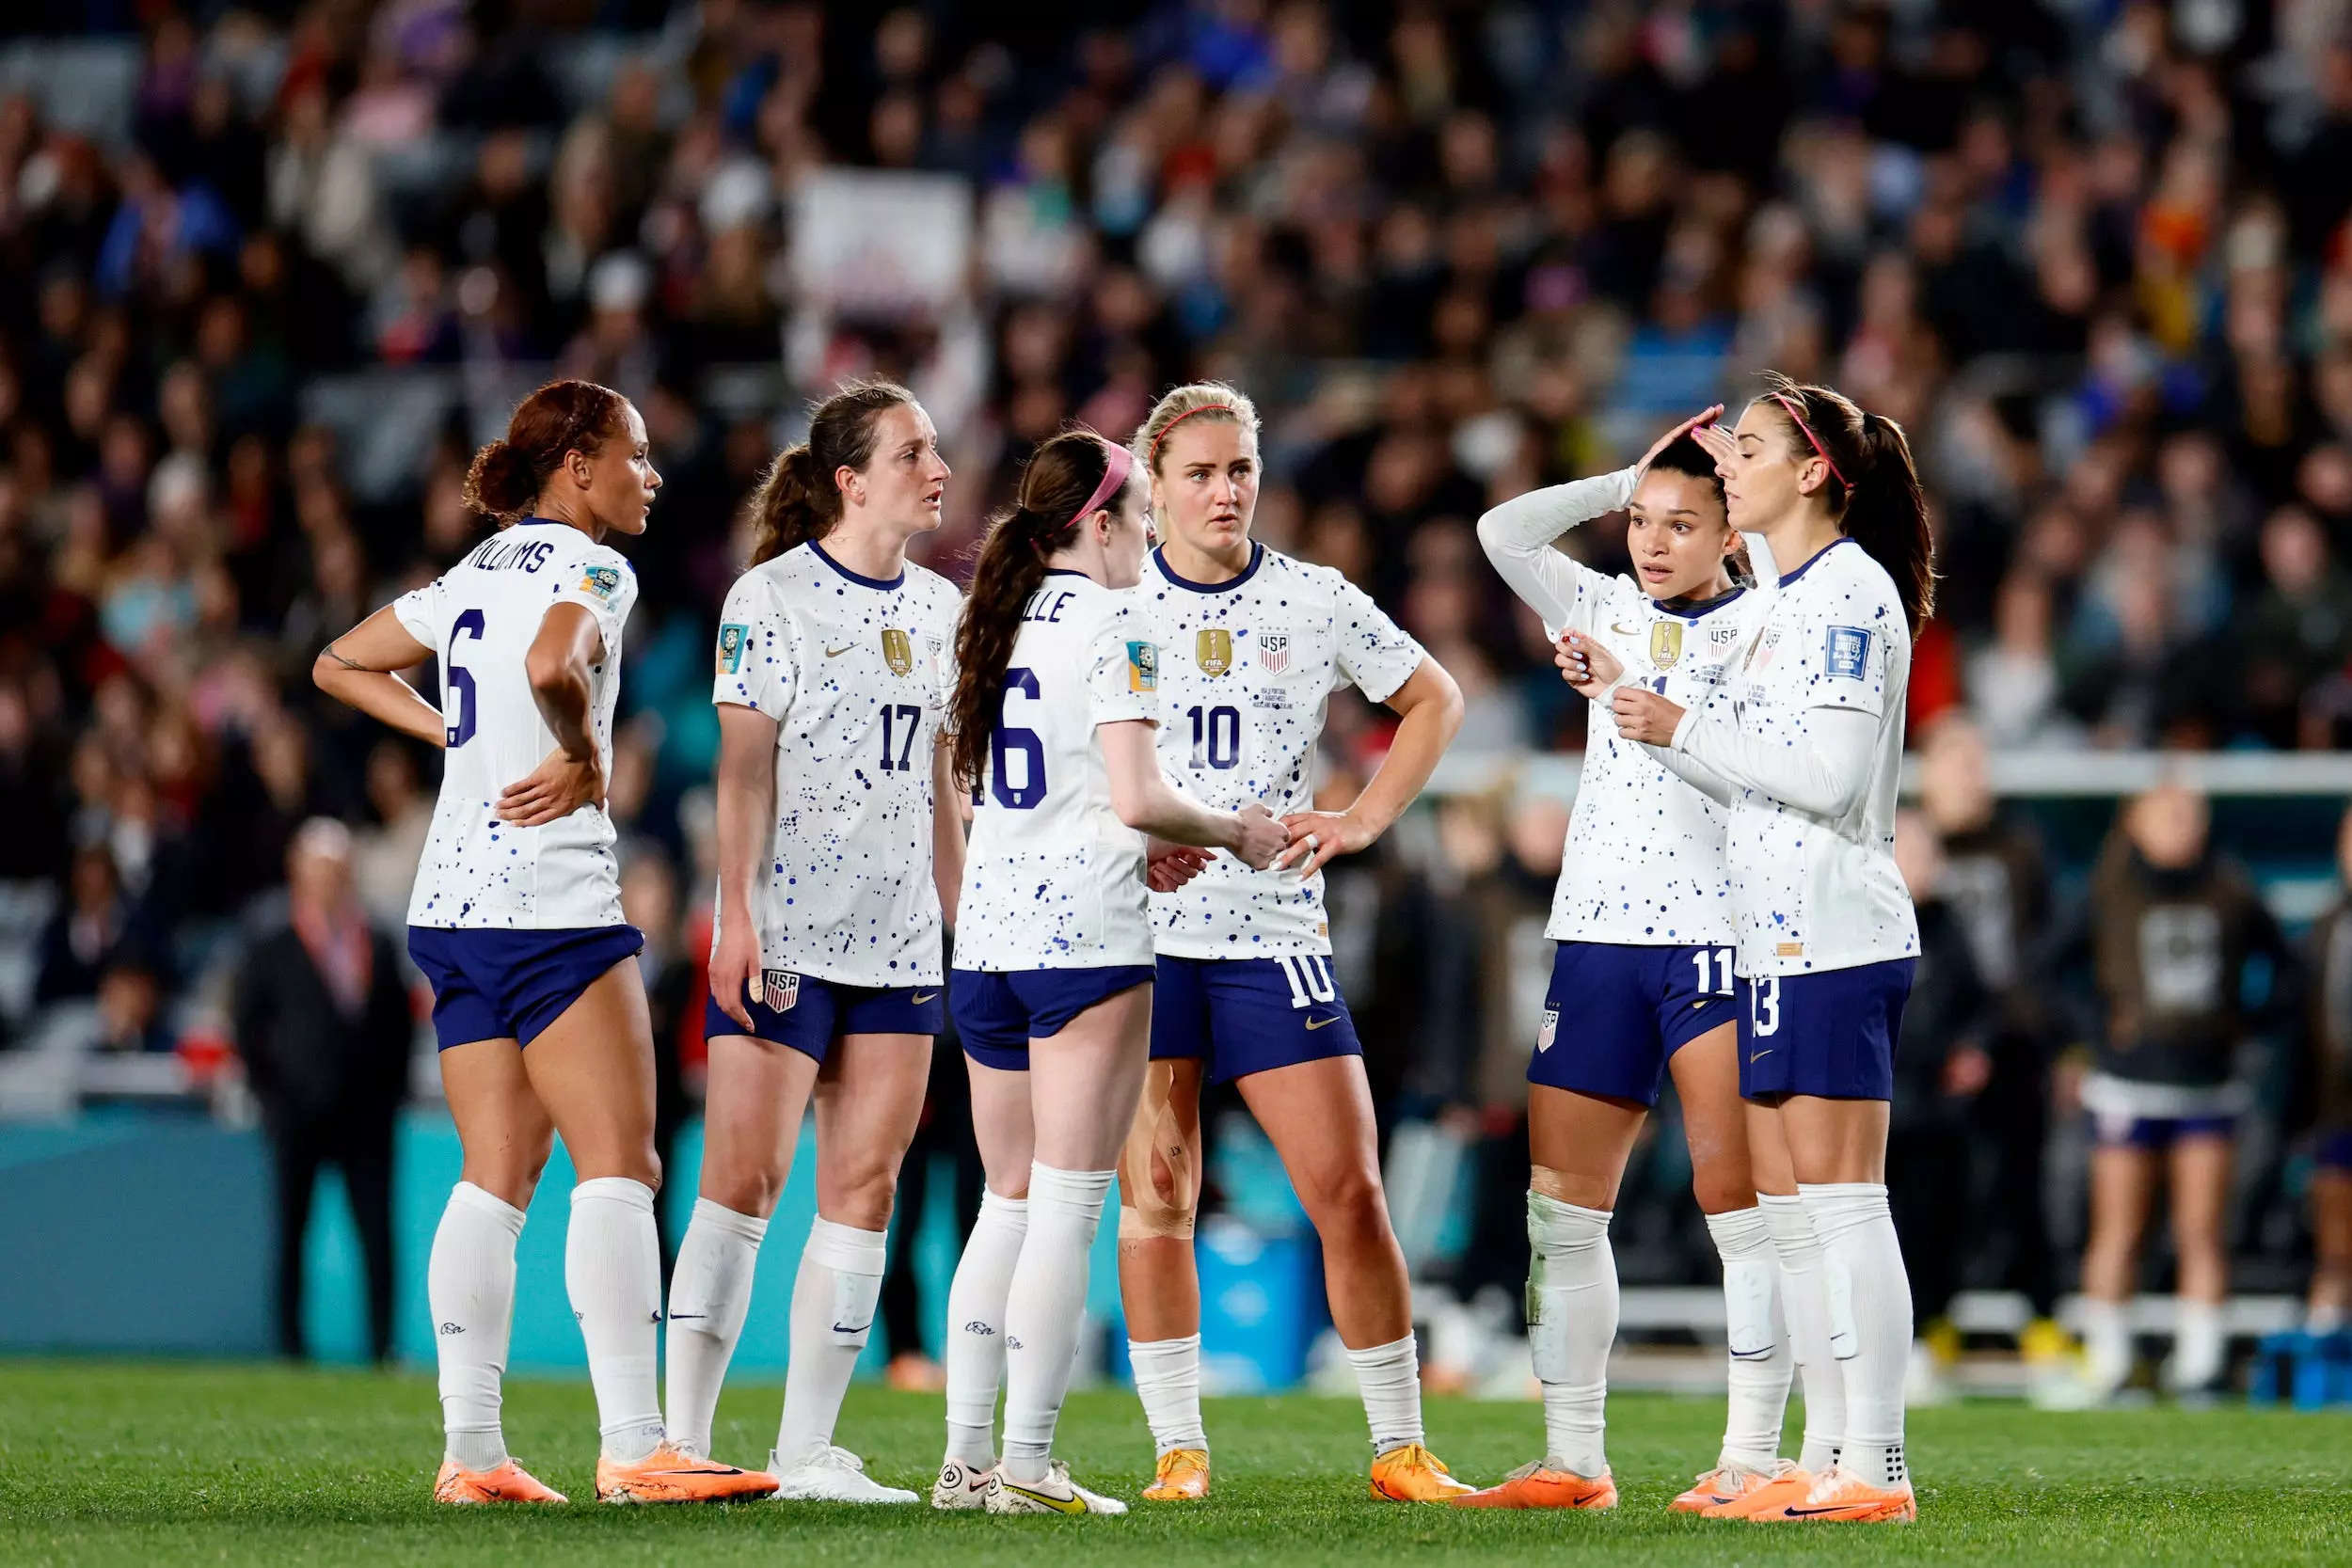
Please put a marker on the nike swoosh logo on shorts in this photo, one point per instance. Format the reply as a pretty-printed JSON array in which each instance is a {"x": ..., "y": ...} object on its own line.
[
  {"x": 919, "y": 997},
  {"x": 837, "y": 653},
  {"x": 1761, "y": 1055},
  {"x": 1319, "y": 1022}
]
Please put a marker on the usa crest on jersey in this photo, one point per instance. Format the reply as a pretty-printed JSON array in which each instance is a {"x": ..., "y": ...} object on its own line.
[
  {"x": 1274, "y": 652},
  {"x": 779, "y": 989},
  {"x": 1213, "y": 650}
]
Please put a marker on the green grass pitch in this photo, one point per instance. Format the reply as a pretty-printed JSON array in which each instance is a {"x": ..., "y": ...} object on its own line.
[{"x": 153, "y": 1464}]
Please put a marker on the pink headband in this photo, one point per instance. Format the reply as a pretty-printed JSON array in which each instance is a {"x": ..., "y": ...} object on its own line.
[
  {"x": 1115, "y": 472},
  {"x": 1201, "y": 408},
  {"x": 1810, "y": 437}
]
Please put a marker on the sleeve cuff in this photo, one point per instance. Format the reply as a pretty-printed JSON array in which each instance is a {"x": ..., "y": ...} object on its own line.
[{"x": 1683, "y": 731}]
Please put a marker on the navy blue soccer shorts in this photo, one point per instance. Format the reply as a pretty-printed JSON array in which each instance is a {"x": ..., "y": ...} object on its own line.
[
  {"x": 1242, "y": 1016},
  {"x": 1830, "y": 1033},
  {"x": 1615, "y": 1012}
]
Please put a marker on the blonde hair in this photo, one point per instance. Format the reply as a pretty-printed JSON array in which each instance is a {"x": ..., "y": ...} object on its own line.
[{"x": 1205, "y": 400}]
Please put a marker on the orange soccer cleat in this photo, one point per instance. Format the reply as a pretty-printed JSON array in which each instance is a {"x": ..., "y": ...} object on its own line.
[
  {"x": 1842, "y": 1497},
  {"x": 1183, "y": 1477},
  {"x": 506, "y": 1482},
  {"x": 1409, "y": 1473},
  {"x": 1543, "y": 1485},
  {"x": 1766, "y": 1502},
  {"x": 1726, "y": 1490},
  {"x": 671, "y": 1475}
]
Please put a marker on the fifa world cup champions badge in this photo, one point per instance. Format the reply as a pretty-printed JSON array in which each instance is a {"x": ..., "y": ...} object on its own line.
[
  {"x": 1213, "y": 650},
  {"x": 897, "y": 650}
]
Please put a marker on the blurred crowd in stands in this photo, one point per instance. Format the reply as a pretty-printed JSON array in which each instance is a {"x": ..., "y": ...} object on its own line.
[{"x": 278, "y": 266}]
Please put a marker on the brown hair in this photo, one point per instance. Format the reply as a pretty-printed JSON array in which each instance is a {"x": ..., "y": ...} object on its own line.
[
  {"x": 797, "y": 499},
  {"x": 1873, "y": 488},
  {"x": 1060, "y": 475},
  {"x": 560, "y": 417}
]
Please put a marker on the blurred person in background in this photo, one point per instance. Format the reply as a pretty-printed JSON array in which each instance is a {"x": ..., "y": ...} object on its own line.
[
  {"x": 321, "y": 1018},
  {"x": 90, "y": 925},
  {"x": 1941, "y": 1066},
  {"x": 674, "y": 988},
  {"x": 2170, "y": 928},
  {"x": 2329, "y": 1073},
  {"x": 1996, "y": 886}
]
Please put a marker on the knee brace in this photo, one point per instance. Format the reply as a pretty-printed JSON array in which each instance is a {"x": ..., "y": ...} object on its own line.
[{"x": 1146, "y": 1211}]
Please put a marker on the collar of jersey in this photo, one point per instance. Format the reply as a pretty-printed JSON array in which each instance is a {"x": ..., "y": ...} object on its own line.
[
  {"x": 1705, "y": 607},
  {"x": 1256, "y": 556},
  {"x": 1787, "y": 578},
  {"x": 883, "y": 583},
  {"x": 1063, "y": 572}
]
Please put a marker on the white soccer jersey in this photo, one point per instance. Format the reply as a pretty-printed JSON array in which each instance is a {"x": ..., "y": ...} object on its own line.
[
  {"x": 480, "y": 619},
  {"x": 1645, "y": 859},
  {"x": 1052, "y": 879},
  {"x": 1247, "y": 670},
  {"x": 853, "y": 671},
  {"x": 1812, "y": 891}
]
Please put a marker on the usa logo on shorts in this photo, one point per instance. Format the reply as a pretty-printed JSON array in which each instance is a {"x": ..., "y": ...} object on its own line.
[
  {"x": 1274, "y": 654},
  {"x": 1551, "y": 1028},
  {"x": 780, "y": 988}
]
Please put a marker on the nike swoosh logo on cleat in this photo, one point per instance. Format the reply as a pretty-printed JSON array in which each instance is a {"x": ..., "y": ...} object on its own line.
[
  {"x": 1816, "y": 1512},
  {"x": 1059, "y": 1505}
]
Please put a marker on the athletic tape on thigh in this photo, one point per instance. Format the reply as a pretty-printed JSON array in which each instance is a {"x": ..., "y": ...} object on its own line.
[
  {"x": 1748, "y": 1285},
  {"x": 1144, "y": 1211}
]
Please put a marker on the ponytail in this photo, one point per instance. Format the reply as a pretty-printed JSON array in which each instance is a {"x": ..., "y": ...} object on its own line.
[
  {"x": 1887, "y": 515},
  {"x": 1052, "y": 500},
  {"x": 797, "y": 498},
  {"x": 1873, "y": 485}
]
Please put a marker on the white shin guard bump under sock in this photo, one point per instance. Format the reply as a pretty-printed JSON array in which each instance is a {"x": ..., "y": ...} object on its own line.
[
  {"x": 470, "y": 1280},
  {"x": 612, "y": 1272},
  {"x": 710, "y": 1290},
  {"x": 1805, "y": 1310},
  {"x": 1044, "y": 1308},
  {"x": 1167, "y": 1381},
  {"x": 1869, "y": 1309},
  {"x": 832, "y": 1316},
  {"x": 2201, "y": 1345},
  {"x": 1761, "y": 1363},
  {"x": 1389, "y": 1377},
  {"x": 1571, "y": 1323},
  {"x": 976, "y": 1327}
]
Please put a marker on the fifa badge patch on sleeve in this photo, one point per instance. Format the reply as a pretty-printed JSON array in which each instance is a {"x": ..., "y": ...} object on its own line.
[
  {"x": 603, "y": 582},
  {"x": 1143, "y": 667},
  {"x": 731, "y": 639},
  {"x": 1849, "y": 653}
]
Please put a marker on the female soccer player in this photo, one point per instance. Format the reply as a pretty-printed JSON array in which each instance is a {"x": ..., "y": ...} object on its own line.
[
  {"x": 839, "y": 843},
  {"x": 1253, "y": 642},
  {"x": 1808, "y": 736},
  {"x": 516, "y": 920},
  {"x": 1642, "y": 982},
  {"x": 1054, "y": 703}
]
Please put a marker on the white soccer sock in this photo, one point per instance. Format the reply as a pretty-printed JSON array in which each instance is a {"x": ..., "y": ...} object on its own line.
[
  {"x": 1167, "y": 1381},
  {"x": 2106, "y": 1343},
  {"x": 612, "y": 1272},
  {"x": 470, "y": 1281},
  {"x": 1044, "y": 1308},
  {"x": 1870, "y": 1326},
  {"x": 1760, "y": 1364},
  {"x": 1805, "y": 1310},
  {"x": 976, "y": 1326},
  {"x": 833, "y": 1314},
  {"x": 1572, "y": 1321},
  {"x": 2200, "y": 1343},
  {"x": 1389, "y": 1378},
  {"x": 710, "y": 1290}
]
